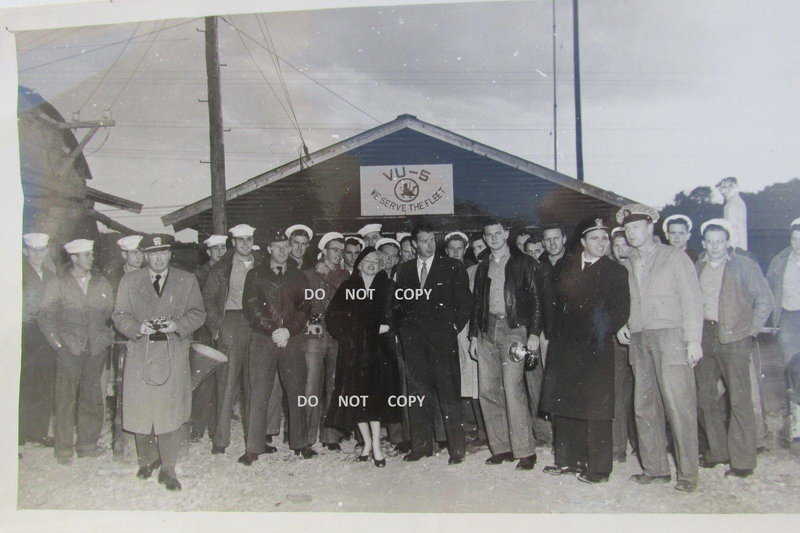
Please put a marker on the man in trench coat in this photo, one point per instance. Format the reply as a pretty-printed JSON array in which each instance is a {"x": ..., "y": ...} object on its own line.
[
  {"x": 593, "y": 304},
  {"x": 157, "y": 384}
]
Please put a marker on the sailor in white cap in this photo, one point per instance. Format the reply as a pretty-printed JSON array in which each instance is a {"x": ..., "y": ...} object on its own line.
[
  {"x": 370, "y": 233},
  {"x": 216, "y": 246},
  {"x": 223, "y": 293},
  {"x": 455, "y": 244},
  {"x": 678, "y": 230},
  {"x": 620, "y": 249},
  {"x": 390, "y": 253},
  {"x": 320, "y": 347},
  {"x": 736, "y": 305},
  {"x": 132, "y": 259},
  {"x": 784, "y": 280},
  {"x": 664, "y": 348},
  {"x": 38, "y": 367},
  {"x": 74, "y": 318},
  {"x": 299, "y": 236}
]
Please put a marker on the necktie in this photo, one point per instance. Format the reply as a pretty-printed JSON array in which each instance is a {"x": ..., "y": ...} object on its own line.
[
  {"x": 586, "y": 264},
  {"x": 157, "y": 284},
  {"x": 280, "y": 271},
  {"x": 423, "y": 275}
]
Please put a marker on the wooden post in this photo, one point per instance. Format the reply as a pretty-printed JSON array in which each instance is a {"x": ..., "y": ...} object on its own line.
[
  {"x": 577, "y": 67},
  {"x": 217, "y": 147}
]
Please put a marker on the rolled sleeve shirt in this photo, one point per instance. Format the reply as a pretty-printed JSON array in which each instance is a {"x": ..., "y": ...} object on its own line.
[
  {"x": 239, "y": 269},
  {"x": 497, "y": 275}
]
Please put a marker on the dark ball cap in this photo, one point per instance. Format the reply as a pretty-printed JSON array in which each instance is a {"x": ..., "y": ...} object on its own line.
[
  {"x": 591, "y": 224},
  {"x": 274, "y": 235},
  {"x": 156, "y": 242}
]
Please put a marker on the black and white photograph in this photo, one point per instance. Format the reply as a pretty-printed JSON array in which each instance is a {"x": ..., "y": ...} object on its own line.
[{"x": 535, "y": 257}]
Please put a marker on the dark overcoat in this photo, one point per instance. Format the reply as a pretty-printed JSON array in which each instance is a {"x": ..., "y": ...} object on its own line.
[
  {"x": 592, "y": 305},
  {"x": 157, "y": 396},
  {"x": 362, "y": 368}
]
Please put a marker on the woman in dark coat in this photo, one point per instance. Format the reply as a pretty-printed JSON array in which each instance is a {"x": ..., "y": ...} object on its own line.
[
  {"x": 578, "y": 388},
  {"x": 361, "y": 371}
]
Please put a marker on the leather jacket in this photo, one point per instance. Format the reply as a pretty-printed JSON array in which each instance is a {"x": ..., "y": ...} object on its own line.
[
  {"x": 520, "y": 291},
  {"x": 271, "y": 303}
]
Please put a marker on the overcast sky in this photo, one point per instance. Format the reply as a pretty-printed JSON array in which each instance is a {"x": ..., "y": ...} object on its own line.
[{"x": 675, "y": 94}]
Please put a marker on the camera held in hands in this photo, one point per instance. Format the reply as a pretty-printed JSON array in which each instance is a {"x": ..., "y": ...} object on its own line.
[{"x": 518, "y": 351}]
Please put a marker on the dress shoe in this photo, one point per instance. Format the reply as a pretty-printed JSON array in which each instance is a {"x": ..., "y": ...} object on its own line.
[
  {"x": 442, "y": 444},
  {"x": 499, "y": 458},
  {"x": 269, "y": 439},
  {"x": 685, "y": 486},
  {"x": 270, "y": 449},
  {"x": 64, "y": 460},
  {"x": 146, "y": 471},
  {"x": 455, "y": 460},
  {"x": 47, "y": 442},
  {"x": 169, "y": 479},
  {"x": 588, "y": 477},
  {"x": 403, "y": 447},
  {"x": 561, "y": 470},
  {"x": 704, "y": 463},
  {"x": 527, "y": 463},
  {"x": 416, "y": 456},
  {"x": 248, "y": 458},
  {"x": 644, "y": 479},
  {"x": 308, "y": 452},
  {"x": 334, "y": 447},
  {"x": 217, "y": 450},
  {"x": 91, "y": 452},
  {"x": 380, "y": 463},
  {"x": 620, "y": 457},
  {"x": 739, "y": 472}
]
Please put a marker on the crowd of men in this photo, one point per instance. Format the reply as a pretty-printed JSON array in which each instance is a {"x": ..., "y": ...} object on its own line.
[{"x": 629, "y": 343}]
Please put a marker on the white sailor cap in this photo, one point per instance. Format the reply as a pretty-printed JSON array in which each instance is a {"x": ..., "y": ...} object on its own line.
[
  {"x": 682, "y": 218},
  {"x": 300, "y": 227},
  {"x": 129, "y": 243},
  {"x": 721, "y": 222},
  {"x": 35, "y": 240},
  {"x": 457, "y": 234},
  {"x": 369, "y": 228},
  {"x": 618, "y": 229},
  {"x": 400, "y": 235},
  {"x": 386, "y": 240},
  {"x": 255, "y": 248},
  {"x": 795, "y": 224},
  {"x": 328, "y": 237},
  {"x": 215, "y": 240},
  {"x": 241, "y": 230},
  {"x": 79, "y": 245}
]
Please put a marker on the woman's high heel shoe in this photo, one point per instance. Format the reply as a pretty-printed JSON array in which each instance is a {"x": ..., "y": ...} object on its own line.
[
  {"x": 364, "y": 458},
  {"x": 380, "y": 463}
]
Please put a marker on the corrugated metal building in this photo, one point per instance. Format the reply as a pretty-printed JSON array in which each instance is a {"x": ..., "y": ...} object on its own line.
[{"x": 324, "y": 189}]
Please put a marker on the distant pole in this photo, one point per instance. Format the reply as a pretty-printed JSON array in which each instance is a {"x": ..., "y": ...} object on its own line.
[
  {"x": 577, "y": 67},
  {"x": 217, "y": 147},
  {"x": 555, "y": 96}
]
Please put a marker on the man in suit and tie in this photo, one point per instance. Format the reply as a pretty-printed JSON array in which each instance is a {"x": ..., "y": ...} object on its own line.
[
  {"x": 429, "y": 322},
  {"x": 506, "y": 308},
  {"x": 158, "y": 308}
]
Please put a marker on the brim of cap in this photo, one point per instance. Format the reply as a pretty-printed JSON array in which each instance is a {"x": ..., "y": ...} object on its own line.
[
  {"x": 634, "y": 218},
  {"x": 587, "y": 230},
  {"x": 157, "y": 248}
]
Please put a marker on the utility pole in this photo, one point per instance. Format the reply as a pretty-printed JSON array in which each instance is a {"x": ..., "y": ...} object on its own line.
[
  {"x": 217, "y": 147},
  {"x": 555, "y": 97},
  {"x": 577, "y": 67}
]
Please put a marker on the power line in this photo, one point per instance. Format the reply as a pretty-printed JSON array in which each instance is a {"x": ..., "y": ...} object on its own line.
[
  {"x": 109, "y": 69},
  {"x": 342, "y": 98},
  {"x": 83, "y": 53},
  {"x": 136, "y": 68}
]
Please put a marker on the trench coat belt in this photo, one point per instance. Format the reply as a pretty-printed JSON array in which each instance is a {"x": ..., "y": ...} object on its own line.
[
  {"x": 497, "y": 316},
  {"x": 711, "y": 322}
]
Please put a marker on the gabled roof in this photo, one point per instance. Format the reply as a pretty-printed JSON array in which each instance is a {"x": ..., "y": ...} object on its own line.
[{"x": 403, "y": 121}]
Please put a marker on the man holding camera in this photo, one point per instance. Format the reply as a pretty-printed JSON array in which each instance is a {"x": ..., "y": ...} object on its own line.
[
  {"x": 506, "y": 308},
  {"x": 158, "y": 309},
  {"x": 578, "y": 390}
]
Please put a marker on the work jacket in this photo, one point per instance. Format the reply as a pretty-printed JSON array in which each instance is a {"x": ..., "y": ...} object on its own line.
[
  {"x": 215, "y": 288},
  {"x": 272, "y": 302}
]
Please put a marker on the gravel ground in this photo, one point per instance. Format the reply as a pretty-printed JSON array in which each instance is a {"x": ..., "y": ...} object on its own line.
[{"x": 335, "y": 482}]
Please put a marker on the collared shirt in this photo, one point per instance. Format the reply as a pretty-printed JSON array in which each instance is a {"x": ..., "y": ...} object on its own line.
[
  {"x": 642, "y": 261},
  {"x": 427, "y": 262},
  {"x": 161, "y": 280},
  {"x": 790, "y": 295},
  {"x": 497, "y": 273},
  {"x": 584, "y": 260},
  {"x": 239, "y": 268},
  {"x": 83, "y": 282},
  {"x": 554, "y": 258},
  {"x": 711, "y": 285}
]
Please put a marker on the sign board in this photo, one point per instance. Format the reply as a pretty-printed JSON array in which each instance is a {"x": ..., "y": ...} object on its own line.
[{"x": 407, "y": 190}]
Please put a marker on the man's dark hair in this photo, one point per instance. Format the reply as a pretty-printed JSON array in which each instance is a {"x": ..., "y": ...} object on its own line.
[
  {"x": 425, "y": 227},
  {"x": 353, "y": 242},
  {"x": 299, "y": 232},
  {"x": 715, "y": 227},
  {"x": 559, "y": 227},
  {"x": 678, "y": 221},
  {"x": 493, "y": 221},
  {"x": 406, "y": 238}
]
